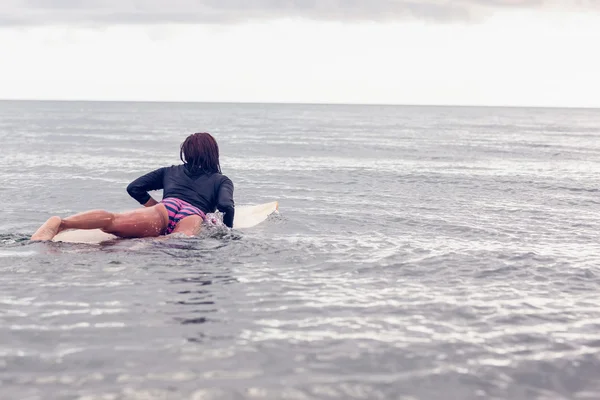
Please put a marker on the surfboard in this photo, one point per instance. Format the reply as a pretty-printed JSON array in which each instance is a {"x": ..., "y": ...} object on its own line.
[{"x": 245, "y": 217}]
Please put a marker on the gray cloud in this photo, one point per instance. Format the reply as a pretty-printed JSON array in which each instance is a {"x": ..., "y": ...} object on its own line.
[{"x": 114, "y": 12}]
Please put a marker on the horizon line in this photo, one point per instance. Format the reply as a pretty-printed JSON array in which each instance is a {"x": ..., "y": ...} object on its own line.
[{"x": 300, "y": 103}]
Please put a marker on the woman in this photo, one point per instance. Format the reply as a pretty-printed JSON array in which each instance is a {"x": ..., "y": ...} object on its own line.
[{"x": 190, "y": 191}]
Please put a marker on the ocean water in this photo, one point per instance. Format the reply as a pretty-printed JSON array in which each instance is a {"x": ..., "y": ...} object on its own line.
[{"x": 419, "y": 253}]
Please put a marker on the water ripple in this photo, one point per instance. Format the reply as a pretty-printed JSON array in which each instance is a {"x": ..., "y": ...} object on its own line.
[{"x": 419, "y": 253}]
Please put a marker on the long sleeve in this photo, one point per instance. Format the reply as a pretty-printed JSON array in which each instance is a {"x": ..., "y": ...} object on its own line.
[
  {"x": 139, "y": 188},
  {"x": 225, "y": 203}
]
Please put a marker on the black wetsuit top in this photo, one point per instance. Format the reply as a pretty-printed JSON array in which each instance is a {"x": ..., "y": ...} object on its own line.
[{"x": 207, "y": 191}]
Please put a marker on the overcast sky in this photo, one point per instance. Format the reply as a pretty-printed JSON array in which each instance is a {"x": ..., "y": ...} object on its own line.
[{"x": 471, "y": 52}]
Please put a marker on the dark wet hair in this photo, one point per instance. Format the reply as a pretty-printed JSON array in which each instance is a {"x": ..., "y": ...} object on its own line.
[{"x": 200, "y": 152}]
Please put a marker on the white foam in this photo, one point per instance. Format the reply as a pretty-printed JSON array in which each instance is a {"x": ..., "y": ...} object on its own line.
[{"x": 12, "y": 253}]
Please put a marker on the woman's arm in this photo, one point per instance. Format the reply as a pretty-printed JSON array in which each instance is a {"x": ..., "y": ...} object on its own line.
[
  {"x": 139, "y": 188},
  {"x": 225, "y": 202}
]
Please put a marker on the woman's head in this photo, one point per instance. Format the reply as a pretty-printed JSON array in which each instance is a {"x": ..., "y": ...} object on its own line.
[{"x": 200, "y": 152}]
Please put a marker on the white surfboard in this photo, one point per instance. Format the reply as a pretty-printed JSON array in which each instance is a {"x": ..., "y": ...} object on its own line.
[{"x": 245, "y": 217}]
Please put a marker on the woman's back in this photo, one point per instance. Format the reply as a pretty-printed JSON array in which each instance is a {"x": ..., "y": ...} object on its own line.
[{"x": 207, "y": 191}]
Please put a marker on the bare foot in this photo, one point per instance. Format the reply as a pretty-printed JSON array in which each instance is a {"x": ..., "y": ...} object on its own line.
[{"x": 48, "y": 230}]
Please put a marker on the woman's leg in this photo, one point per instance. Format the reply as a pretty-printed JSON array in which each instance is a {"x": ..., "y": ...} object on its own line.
[
  {"x": 189, "y": 226},
  {"x": 48, "y": 230},
  {"x": 143, "y": 222}
]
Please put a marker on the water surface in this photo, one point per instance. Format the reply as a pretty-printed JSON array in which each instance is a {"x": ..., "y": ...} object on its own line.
[{"x": 420, "y": 253}]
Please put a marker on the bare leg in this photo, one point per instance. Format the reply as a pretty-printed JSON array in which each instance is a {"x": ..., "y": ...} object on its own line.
[
  {"x": 48, "y": 230},
  {"x": 96, "y": 219},
  {"x": 143, "y": 222},
  {"x": 189, "y": 226}
]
